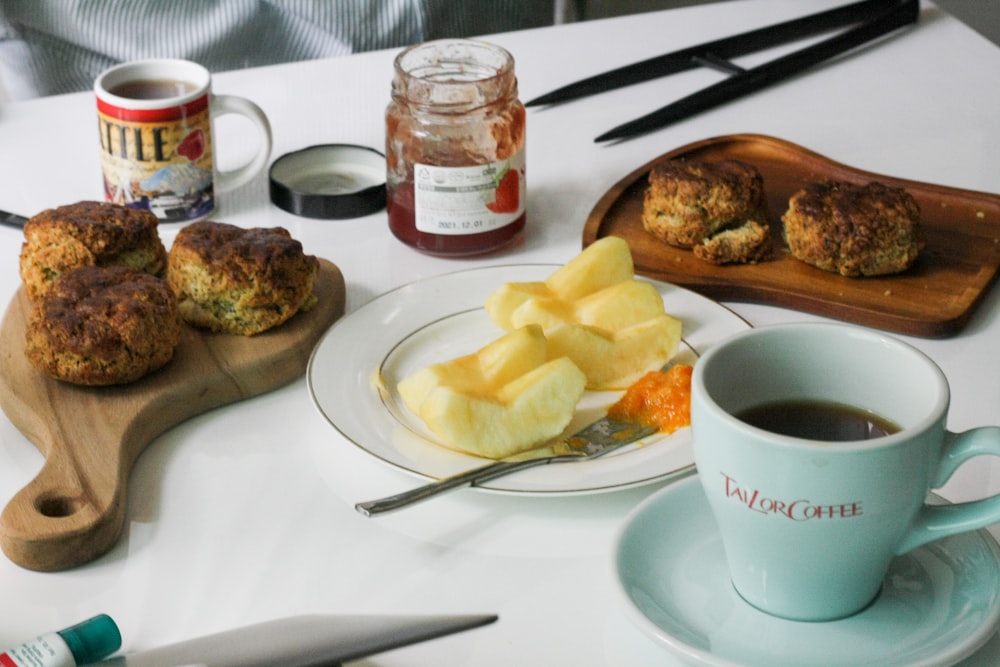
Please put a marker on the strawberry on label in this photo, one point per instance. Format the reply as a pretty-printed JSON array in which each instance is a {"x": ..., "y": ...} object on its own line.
[{"x": 508, "y": 194}]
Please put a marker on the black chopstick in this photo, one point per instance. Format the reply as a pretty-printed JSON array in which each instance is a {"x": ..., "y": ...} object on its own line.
[
  {"x": 875, "y": 18},
  {"x": 767, "y": 74},
  {"x": 716, "y": 51}
]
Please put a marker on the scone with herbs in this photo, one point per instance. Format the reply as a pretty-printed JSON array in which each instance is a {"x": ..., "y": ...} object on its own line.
[
  {"x": 102, "y": 326},
  {"x": 717, "y": 209},
  {"x": 88, "y": 233},
  {"x": 854, "y": 230},
  {"x": 239, "y": 281}
]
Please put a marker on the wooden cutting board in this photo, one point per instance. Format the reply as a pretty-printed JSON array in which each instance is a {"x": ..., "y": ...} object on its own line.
[
  {"x": 935, "y": 298},
  {"x": 74, "y": 509}
]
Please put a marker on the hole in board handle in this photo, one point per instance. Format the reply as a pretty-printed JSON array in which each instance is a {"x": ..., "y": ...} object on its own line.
[{"x": 56, "y": 506}]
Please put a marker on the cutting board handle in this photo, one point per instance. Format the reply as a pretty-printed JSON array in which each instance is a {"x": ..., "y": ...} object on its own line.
[{"x": 64, "y": 515}]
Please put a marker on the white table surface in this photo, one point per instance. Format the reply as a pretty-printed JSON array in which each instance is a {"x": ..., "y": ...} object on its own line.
[{"x": 246, "y": 513}]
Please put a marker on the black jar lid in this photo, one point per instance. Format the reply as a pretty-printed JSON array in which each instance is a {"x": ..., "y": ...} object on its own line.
[{"x": 329, "y": 181}]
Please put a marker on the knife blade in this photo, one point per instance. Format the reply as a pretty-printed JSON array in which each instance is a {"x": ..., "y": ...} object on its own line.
[
  {"x": 594, "y": 440},
  {"x": 12, "y": 220},
  {"x": 301, "y": 641}
]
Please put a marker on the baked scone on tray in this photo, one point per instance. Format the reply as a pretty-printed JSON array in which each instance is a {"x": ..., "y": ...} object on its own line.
[
  {"x": 100, "y": 326},
  {"x": 108, "y": 302},
  {"x": 88, "y": 233},
  {"x": 854, "y": 230},
  {"x": 715, "y": 208},
  {"x": 98, "y": 309},
  {"x": 239, "y": 281}
]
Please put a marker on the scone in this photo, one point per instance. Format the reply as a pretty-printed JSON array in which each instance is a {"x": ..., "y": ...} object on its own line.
[
  {"x": 88, "y": 233},
  {"x": 103, "y": 326},
  {"x": 854, "y": 230},
  {"x": 240, "y": 281},
  {"x": 688, "y": 203}
]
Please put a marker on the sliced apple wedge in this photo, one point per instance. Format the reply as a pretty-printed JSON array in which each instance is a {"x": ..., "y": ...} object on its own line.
[
  {"x": 506, "y": 398},
  {"x": 594, "y": 311},
  {"x": 616, "y": 359},
  {"x": 604, "y": 263}
]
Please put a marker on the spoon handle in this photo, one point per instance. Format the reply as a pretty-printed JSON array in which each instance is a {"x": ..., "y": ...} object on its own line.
[{"x": 469, "y": 477}]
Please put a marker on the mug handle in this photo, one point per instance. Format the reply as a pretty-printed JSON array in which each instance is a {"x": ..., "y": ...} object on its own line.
[
  {"x": 937, "y": 521},
  {"x": 223, "y": 104}
]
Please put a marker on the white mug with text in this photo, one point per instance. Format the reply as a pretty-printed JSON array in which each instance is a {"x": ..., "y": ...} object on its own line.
[{"x": 157, "y": 151}]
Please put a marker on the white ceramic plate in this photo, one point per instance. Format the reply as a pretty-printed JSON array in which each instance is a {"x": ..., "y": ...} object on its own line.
[
  {"x": 441, "y": 318},
  {"x": 938, "y": 605}
]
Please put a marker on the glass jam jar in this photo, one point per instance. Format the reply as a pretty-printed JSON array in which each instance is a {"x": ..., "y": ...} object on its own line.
[{"x": 455, "y": 148}]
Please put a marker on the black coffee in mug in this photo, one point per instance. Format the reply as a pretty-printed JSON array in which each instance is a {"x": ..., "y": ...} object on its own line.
[
  {"x": 153, "y": 89},
  {"x": 818, "y": 420}
]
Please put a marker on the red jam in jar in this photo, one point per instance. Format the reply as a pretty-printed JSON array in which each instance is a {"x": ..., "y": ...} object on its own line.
[{"x": 455, "y": 149}]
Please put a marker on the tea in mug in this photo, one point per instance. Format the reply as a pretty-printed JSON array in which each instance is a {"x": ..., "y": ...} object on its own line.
[
  {"x": 153, "y": 89},
  {"x": 818, "y": 420}
]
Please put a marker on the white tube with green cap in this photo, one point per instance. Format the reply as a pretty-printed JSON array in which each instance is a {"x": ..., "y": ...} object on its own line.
[{"x": 82, "y": 644}]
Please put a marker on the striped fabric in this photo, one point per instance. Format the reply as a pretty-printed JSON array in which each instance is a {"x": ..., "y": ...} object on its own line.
[{"x": 58, "y": 46}]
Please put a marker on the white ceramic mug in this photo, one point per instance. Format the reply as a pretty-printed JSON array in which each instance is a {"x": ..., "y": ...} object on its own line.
[
  {"x": 155, "y": 120},
  {"x": 809, "y": 527}
]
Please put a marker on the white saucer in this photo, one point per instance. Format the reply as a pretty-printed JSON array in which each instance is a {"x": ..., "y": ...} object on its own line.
[{"x": 939, "y": 603}]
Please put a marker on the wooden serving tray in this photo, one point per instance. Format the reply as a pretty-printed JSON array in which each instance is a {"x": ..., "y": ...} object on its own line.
[
  {"x": 935, "y": 298},
  {"x": 74, "y": 509}
]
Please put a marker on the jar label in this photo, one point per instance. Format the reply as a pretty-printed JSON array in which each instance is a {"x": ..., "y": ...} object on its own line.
[{"x": 469, "y": 200}]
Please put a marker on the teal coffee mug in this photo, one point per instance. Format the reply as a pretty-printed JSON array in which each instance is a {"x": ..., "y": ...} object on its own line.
[{"x": 817, "y": 446}]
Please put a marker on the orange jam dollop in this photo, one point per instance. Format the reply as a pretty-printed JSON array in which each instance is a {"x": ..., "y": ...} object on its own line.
[{"x": 659, "y": 398}]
